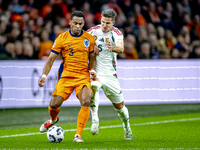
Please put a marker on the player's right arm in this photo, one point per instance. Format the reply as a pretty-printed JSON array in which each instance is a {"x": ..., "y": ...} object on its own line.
[
  {"x": 47, "y": 67},
  {"x": 57, "y": 46}
]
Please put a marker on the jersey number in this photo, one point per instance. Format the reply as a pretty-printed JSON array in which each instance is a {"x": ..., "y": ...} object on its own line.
[
  {"x": 100, "y": 47},
  {"x": 71, "y": 52}
]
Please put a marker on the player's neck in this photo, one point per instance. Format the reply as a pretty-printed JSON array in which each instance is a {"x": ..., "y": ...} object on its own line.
[{"x": 75, "y": 35}]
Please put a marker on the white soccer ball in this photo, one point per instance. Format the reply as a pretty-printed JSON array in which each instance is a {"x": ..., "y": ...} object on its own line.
[{"x": 55, "y": 134}]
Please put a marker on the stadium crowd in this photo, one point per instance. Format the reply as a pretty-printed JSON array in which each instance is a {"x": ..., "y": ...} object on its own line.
[{"x": 152, "y": 29}]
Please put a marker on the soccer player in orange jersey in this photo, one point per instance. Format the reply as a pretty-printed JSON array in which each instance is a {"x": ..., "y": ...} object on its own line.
[{"x": 76, "y": 47}]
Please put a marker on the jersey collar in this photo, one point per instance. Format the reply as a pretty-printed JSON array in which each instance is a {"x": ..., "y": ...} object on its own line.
[{"x": 75, "y": 35}]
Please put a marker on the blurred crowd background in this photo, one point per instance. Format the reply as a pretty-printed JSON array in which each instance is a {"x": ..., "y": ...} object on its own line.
[{"x": 152, "y": 29}]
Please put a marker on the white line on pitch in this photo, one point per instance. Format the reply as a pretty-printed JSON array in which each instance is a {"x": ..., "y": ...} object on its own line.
[{"x": 113, "y": 126}]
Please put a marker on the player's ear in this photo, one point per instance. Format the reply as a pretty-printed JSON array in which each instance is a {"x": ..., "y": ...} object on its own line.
[
  {"x": 70, "y": 22},
  {"x": 113, "y": 22}
]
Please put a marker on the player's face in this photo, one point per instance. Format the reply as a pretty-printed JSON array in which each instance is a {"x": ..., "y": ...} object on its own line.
[
  {"x": 76, "y": 25},
  {"x": 106, "y": 24}
]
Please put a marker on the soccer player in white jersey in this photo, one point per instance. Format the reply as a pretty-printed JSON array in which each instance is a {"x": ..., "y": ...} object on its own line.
[{"x": 109, "y": 41}]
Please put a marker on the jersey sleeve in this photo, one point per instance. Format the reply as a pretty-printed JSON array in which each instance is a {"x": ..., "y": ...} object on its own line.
[
  {"x": 58, "y": 45},
  {"x": 118, "y": 38},
  {"x": 90, "y": 31}
]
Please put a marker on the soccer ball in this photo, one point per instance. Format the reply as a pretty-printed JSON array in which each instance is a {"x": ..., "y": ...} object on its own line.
[{"x": 55, "y": 134}]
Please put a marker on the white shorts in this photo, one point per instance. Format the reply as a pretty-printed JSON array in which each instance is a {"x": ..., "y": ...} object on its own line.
[{"x": 111, "y": 88}]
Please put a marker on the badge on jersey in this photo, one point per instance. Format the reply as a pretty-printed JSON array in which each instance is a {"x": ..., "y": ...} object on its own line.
[
  {"x": 86, "y": 43},
  {"x": 107, "y": 39},
  {"x": 95, "y": 37}
]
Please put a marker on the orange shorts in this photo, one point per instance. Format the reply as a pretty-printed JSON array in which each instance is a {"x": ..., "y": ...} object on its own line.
[{"x": 66, "y": 85}]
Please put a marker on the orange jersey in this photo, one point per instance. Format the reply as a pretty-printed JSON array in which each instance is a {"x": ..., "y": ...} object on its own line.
[{"x": 75, "y": 52}]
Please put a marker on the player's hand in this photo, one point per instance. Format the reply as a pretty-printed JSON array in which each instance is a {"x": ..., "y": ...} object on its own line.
[
  {"x": 41, "y": 81},
  {"x": 110, "y": 47},
  {"x": 96, "y": 49},
  {"x": 93, "y": 75}
]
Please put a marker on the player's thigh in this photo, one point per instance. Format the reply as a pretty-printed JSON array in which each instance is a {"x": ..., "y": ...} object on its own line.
[
  {"x": 84, "y": 94},
  {"x": 112, "y": 90},
  {"x": 63, "y": 89}
]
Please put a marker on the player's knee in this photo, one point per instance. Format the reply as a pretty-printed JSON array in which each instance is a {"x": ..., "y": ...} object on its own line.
[
  {"x": 95, "y": 86},
  {"x": 56, "y": 101},
  {"x": 86, "y": 103},
  {"x": 54, "y": 106},
  {"x": 119, "y": 105}
]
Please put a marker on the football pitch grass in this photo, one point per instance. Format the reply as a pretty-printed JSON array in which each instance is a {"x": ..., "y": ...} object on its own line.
[{"x": 154, "y": 127}]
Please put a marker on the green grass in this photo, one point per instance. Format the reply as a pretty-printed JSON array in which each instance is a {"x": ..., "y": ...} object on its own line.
[
  {"x": 179, "y": 131},
  {"x": 33, "y": 117}
]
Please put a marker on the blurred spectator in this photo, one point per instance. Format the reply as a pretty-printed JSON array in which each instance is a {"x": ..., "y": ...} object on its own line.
[
  {"x": 178, "y": 15},
  {"x": 19, "y": 50},
  {"x": 56, "y": 31},
  {"x": 130, "y": 50},
  {"x": 170, "y": 39},
  {"x": 2, "y": 42},
  {"x": 62, "y": 23},
  {"x": 131, "y": 19},
  {"x": 112, "y": 4},
  {"x": 13, "y": 35},
  {"x": 174, "y": 53},
  {"x": 89, "y": 17},
  {"x": 160, "y": 32},
  {"x": 45, "y": 45},
  {"x": 59, "y": 10},
  {"x": 187, "y": 21},
  {"x": 152, "y": 16},
  {"x": 183, "y": 53},
  {"x": 166, "y": 18},
  {"x": 9, "y": 53},
  {"x": 151, "y": 29},
  {"x": 162, "y": 46},
  {"x": 47, "y": 8},
  {"x": 153, "y": 46},
  {"x": 195, "y": 52},
  {"x": 48, "y": 26},
  {"x": 28, "y": 51},
  {"x": 142, "y": 36},
  {"x": 125, "y": 6},
  {"x": 30, "y": 7},
  {"x": 36, "y": 46},
  {"x": 195, "y": 28},
  {"x": 140, "y": 20},
  {"x": 39, "y": 24},
  {"x": 145, "y": 50},
  {"x": 3, "y": 27},
  {"x": 127, "y": 28},
  {"x": 186, "y": 7},
  {"x": 15, "y": 7}
]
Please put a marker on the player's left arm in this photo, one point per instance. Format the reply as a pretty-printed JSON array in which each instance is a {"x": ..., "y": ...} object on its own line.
[{"x": 118, "y": 48}]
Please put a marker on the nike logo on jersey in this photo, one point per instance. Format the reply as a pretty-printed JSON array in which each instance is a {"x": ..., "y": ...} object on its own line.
[{"x": 69, "y": 44}]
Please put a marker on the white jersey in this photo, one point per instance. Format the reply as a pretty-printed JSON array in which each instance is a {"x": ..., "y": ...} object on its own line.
[{"x": 106, "y": 61}]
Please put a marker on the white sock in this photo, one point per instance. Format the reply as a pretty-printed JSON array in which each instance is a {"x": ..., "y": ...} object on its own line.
[
  {"x": 94, "y": 104},
  {"x": 124, "y": 115}
]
